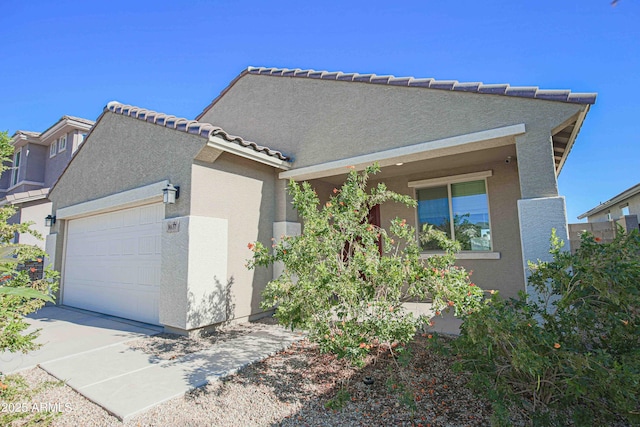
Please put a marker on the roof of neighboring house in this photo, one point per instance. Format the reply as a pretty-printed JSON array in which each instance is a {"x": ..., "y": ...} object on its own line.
[
  {"x": 429, "y": 83},
  {"x": 27, "y": 133},
  {"x": 26, "y": 196},
  {"x": 205, "y": 130},
  {"x": 629, "y": 192},
  {"x": 77, "y": 122}
]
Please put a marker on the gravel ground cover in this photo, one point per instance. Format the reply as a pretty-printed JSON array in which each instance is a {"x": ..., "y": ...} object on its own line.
[{"x": 298, "y": 386}]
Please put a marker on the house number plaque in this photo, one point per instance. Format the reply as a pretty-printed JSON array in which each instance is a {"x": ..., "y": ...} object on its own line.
[{"x": 173, "y": 226}]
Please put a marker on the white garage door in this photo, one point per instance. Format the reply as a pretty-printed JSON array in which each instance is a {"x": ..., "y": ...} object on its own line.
[{"x": 112, "y": 263}]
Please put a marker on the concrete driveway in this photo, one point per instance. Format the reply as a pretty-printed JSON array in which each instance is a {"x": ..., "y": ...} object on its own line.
[
  {"x": 88, "y": 351},
  {"x": 66, "y": 332}
]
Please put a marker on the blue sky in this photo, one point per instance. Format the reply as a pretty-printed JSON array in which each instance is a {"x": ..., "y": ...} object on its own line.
[{"x": 72, "y": 57}]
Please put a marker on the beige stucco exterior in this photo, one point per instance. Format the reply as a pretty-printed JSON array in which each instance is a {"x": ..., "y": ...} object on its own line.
[
  {"x": 34, "y": 212},
  {"x": 320, "y": 122},
  {"x": 242, "y": 192},
  {"x": 317, "y": 121},
  {"x": 504, "y": 273},
  {"x": 224, "y": 204},
  {"x": 229, "y": 197},
  {"x": 128, "y": 154}
]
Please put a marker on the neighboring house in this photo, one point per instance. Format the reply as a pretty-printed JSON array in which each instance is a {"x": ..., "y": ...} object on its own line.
[
  {"x": 482, "y": 161},
  {"x": 38, "y": 161},
  {"x": 603, "y": 221},
  {"x": 619, "y": 206}
]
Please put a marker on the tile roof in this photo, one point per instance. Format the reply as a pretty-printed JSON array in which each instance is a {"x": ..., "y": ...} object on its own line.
[
  {"x": 64, "y": 120},
  {"x": 26, "y": 196},
  {"x": 79, "y": 119},
  {"x": 496, "y": 89},
  {"x": 194, "y": 127},
  {"x": 26, "y": 133}
]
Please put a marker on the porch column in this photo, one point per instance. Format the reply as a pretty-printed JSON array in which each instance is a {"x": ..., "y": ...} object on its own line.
[
  {"x": 286, "y": 220},
  {"x": 540, "y": 209}
]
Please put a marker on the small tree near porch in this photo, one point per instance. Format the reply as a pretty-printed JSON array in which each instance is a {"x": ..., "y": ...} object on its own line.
[{"x": 343, "y": 287}]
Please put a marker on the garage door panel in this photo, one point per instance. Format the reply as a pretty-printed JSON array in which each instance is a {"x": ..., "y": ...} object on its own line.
[{"x": 112, "y": 263}]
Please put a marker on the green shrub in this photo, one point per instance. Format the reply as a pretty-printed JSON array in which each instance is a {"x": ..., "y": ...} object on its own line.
[
  {"x": 341, "y": 287},
  {"x": 572, "y": 353}
]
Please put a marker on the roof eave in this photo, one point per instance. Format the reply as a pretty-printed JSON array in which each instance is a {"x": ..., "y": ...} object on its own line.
[
  {"x": 576, "y": 130},
  {"x": 527, "y": 92},
  {"x": 629, "y": 192},
  {"x": 248, "y": 153}
]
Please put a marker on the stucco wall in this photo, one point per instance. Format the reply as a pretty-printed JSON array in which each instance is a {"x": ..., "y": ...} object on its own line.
[
  {"x": 34, "y": 162},
  {"x": 56, "y": 164},
  {"x": 36, "y": 212},
  {"x": 504, "y": 274},
  {"x": 124, "y": 153},
  {"x": 242, "y": 192},
  {"x": 317, "y": 121}
]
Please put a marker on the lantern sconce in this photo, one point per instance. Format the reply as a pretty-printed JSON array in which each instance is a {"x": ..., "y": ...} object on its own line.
[
  {"x": 170, "y": 194},
  {"x": 49, "y": 220}
]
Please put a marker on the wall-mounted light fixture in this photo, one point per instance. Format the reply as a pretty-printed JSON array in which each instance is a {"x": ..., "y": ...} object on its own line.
[
  {"x": 170, "y": 194},
  {"x": 49, "y": 220}
]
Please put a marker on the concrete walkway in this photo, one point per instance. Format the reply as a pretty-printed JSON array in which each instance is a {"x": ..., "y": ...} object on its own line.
[
  {"x": 68, "y": 332},
  {"x": 126, "y": 382}
]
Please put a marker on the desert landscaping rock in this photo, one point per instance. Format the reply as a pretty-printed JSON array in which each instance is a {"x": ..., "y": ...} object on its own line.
[{"x": 292, "y": 388}]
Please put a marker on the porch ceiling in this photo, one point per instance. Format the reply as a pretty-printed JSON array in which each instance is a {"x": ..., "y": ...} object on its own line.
[{"x": 416, "y": 169}]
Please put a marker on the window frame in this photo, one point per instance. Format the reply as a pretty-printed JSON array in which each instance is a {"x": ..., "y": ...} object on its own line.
[
  {"x": 623, "y": 208},
  {"x": 16, "y": 167},
  {"x": 53, "y": 149},
  {"x": 62, "y": 147},
  {"x": 79, "y": 140},
  {"x": 448, "y": 181}
]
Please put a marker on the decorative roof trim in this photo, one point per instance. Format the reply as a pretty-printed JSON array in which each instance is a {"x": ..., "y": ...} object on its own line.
[
  {"x": 626, "y": 194},
  {"x": 451, "y": 85},
  {"x": 194, "y": 127}
]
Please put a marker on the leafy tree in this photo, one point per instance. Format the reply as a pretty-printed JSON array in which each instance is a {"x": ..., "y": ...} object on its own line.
[
  {"x": 19, "y": 294},
  {"x": 343, "y": 287}
]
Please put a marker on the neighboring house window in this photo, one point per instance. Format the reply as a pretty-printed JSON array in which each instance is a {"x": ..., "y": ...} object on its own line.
[
  {"x": 459, "y": 207},
  {"x": 609, "y": 216},
  {"x": 16, "y": 168},
  {"x": 62, "y": 143},
  {"x": 53, "y": 149},
  {"x": 79, "y": 140},
  {"x": 625, "y": 210}
]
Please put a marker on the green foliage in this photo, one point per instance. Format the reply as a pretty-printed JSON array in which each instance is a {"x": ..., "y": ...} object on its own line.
[
  {"x": 572, "y": 351},
  {"x": 19, "y": 399},
  {"x": 19, "y": 294},
  {"x": 341, "y": 398},
  {"x": 341, "y": 288}
]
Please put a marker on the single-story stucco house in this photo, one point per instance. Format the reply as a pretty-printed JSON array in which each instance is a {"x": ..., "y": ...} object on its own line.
[{"x": 482, "y": 161}]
